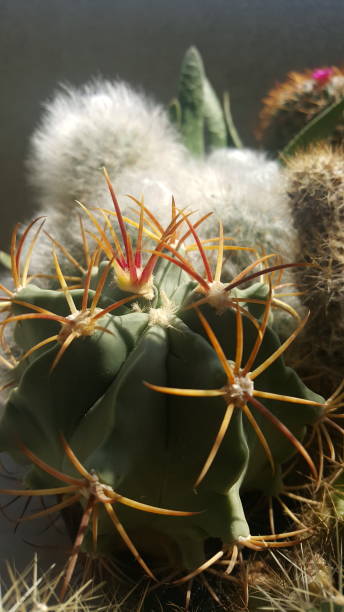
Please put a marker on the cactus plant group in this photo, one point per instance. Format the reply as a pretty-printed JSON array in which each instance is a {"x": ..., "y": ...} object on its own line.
[{"x": 143, "y": 368}]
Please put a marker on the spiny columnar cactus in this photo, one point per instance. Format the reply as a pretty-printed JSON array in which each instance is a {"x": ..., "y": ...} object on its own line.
[
  {"x": 316, "y": 196},
  {"x": 152, "y": 395},
  {"x": 290, "y": 105}
]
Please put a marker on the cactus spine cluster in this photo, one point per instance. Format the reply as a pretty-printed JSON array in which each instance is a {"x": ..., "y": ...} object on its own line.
[
  {"x": 32, "y": 590},
  {"x": 308, "y": 582}
]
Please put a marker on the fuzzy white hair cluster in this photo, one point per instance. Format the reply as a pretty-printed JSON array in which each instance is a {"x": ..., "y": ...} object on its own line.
[{"x": 111, "y": 125}]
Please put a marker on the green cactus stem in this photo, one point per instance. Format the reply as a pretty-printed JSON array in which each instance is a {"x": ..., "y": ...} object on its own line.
[
  {"x": 197, "y": 112},
  {"x": 151, "y": 397}
]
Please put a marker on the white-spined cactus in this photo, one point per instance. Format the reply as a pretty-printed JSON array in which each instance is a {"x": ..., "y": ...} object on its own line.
[{"x": 111, "y": 125}]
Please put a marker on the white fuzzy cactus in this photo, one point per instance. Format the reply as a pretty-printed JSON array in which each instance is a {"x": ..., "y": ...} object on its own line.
[{"x": 111, "y": 125}]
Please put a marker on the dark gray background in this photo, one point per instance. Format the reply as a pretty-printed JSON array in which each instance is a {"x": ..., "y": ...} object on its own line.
[{"x": 247, "y": 45}]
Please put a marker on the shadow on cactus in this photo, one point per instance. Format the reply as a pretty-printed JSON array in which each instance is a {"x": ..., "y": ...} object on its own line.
[{"x": 152, "y": 395}]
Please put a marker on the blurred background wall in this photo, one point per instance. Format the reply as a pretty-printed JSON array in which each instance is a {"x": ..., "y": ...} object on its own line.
[{"x": 246, "y": 44}]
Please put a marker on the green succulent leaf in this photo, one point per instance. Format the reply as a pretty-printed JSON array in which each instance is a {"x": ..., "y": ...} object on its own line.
[
  {"x": 338, "y": 494},
  {"x": 191, "y": 100},
  {"x": 317, "y": 129},
  {"x": 214, "y": 121},
  {"x": 233, "y": 136}
]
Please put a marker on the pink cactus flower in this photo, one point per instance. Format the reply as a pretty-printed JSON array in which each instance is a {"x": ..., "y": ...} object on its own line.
[{"x": 322, "y": 75}]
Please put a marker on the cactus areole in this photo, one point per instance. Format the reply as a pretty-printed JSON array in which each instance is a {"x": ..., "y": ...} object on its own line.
[{"x": 145, "y": 400}]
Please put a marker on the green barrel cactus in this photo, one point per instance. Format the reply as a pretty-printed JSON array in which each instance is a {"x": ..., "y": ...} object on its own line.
[{"x": 152, "y": 394}]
